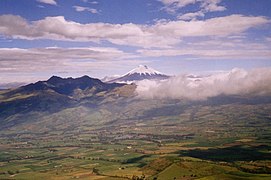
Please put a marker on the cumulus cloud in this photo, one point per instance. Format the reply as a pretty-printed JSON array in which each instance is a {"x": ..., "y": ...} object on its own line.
[
  {"x": 191, "y": 16},
  {"x": 160, "y": 34},
  {"x": 51, "y": 2},
  {"x": 172, "y": 5},
  {"x": 236, "y": 82},
  {"x": 212, "y": 5},
  {"x": 206, "y": 6},
  {"x": 81, "y": 9}
]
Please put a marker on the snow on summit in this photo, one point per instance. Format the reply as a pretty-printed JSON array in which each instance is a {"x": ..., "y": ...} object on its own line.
[
  {"x": 141, "y": 72},
  {"x": 143, "y": 69}
]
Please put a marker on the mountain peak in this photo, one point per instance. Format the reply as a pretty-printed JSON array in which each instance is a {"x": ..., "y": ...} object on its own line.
[
  {"x": 143, "y": 69},
  {"x": 140, "y": 73},
  {"x": 66, "y": 86},
  {"x": 143, "y": 66},
  {"x": 54, "y": 78}
]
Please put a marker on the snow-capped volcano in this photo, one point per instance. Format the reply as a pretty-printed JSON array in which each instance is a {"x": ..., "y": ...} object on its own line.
[
  {"x": 143, "y": 69},
  {"x": 140, "y": 73}
]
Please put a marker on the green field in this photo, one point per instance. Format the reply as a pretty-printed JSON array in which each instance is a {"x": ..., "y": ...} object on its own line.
[{"x": 134, "y": 141}]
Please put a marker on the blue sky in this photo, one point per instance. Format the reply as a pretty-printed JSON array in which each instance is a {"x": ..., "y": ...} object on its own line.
[{"x": 41, "y": 38}]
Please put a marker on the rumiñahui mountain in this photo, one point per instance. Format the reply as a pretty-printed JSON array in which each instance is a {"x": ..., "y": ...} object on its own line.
[
  {"x": 67, "y": 86},
  {"x": 54, "y": 95},
  {"x": 139, "y": 73}
]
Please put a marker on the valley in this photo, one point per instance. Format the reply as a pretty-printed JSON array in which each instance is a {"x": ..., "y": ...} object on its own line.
[{"x": 124, "y": 137}]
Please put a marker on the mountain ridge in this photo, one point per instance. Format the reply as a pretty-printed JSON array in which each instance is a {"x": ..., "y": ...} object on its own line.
[
  {"x": 56, "y": 94},
  {"x": 66, "y": 86}
]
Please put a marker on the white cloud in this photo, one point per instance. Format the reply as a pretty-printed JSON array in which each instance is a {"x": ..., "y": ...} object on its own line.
[
  {"x": 40, "y": 6},
  {"x": 162, "y": 34},
  {"x": 56, "y": 53},
  {"x": 52, "y": 2},
  {"x": 172, "y": 6},
  {"x": 215, "y": 49},
  {"x": 178, "y": 3},
  {"x": 191, "y": 16},
  {"x": 93, "y": 2},
  {"x": 220, "y": 26},
  {"x": 212, "y": 6},
  {"x": 236, "y": 82},
  {"x": 17, "y": 64},
  {"x": 81, "y": 9}
]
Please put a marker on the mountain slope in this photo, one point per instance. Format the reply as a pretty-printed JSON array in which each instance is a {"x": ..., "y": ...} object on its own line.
[{"x": 52, "y": 96}]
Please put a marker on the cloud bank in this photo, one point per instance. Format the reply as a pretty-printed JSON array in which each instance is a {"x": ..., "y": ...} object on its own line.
[
  {"x": 159, "y": 35},
  {"x": 236, "y": 82},
  {"x": 28, "y": 65}
]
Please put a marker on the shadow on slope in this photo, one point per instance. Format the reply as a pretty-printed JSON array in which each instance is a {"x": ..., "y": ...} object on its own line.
[{"x": 231, "y": 154}]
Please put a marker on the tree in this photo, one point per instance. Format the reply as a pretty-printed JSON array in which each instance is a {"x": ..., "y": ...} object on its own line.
[{"x": 10, "y": 172}]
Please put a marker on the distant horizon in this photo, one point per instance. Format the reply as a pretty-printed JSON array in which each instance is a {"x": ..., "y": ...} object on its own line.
[
  {"x": 16, "y": 84},
  {"x": 203, "y": 73}
]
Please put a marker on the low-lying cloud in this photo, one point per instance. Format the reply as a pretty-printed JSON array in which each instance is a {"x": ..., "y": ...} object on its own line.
[{"x": 256, "y": 82}]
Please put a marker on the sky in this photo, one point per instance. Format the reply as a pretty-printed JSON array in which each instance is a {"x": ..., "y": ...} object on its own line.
[{"x": 72, "y": 38}]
